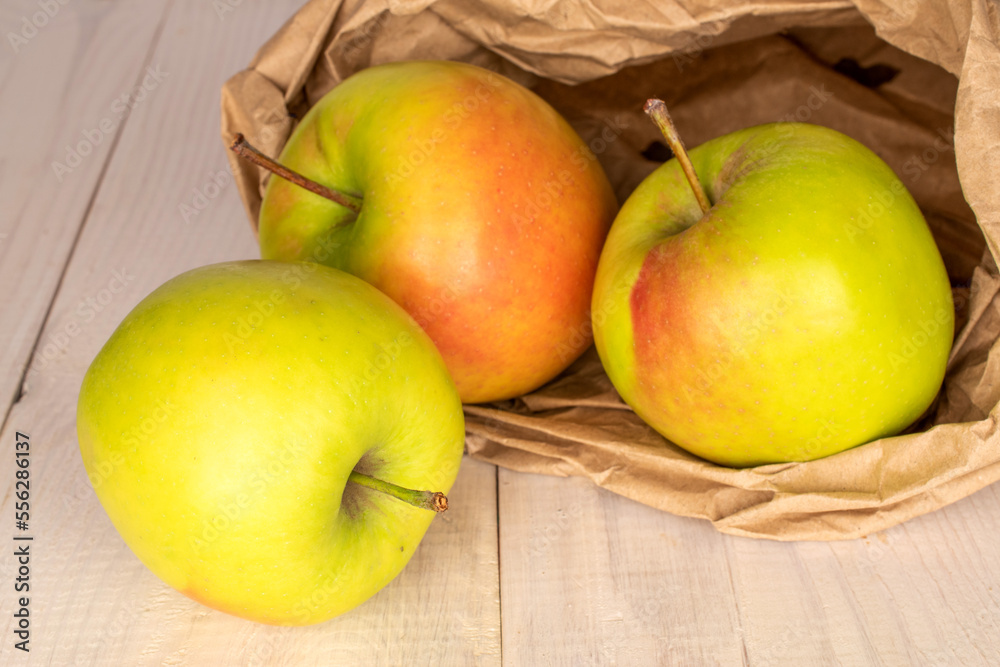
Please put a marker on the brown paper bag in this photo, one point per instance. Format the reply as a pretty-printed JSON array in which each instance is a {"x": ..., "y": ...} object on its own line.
[{"x": 919, "y": 83}]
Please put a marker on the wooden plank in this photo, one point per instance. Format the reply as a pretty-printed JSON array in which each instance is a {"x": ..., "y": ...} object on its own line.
[
  {"x": 929, "y": 590},
  {"x": 924, "y": 592},
  {"x": 64, "y": 98},
  {"x": 92, "y": 601},
  {"x": 588, "y": 577},
  {"x": 591, "y": 578}
]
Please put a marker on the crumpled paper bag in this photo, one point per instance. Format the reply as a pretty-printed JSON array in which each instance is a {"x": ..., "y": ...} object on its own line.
[{"x": 919, "y": 83}]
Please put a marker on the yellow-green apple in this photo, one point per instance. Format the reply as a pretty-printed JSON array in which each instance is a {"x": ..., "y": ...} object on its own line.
[
  {"x": 468, "y": 200},
  {"x": 259, "y": 433},
  {"x": 805, "y": 312}
]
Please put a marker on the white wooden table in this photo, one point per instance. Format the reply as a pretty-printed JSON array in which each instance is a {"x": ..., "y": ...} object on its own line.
[{"x": 523, "y": 570}]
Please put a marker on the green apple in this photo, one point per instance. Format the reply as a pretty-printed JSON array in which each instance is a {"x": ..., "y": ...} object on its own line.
[
  {"x": 805, "y": 312},
  {"x": 467, "y": 199},
  {"x": 254, "y": 430}
]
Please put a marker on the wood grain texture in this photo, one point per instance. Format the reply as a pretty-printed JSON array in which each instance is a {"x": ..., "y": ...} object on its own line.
[
  {"x": 625, "y": 584},
  {"x": 522, "y": 570},
  {"x": 590, "y": 578},
  {"x": 61, "y": 94},
  {"x": 92, "y": 601}
]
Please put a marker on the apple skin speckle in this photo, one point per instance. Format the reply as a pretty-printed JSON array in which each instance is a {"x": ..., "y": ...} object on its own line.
[
  {"x": 213, "y": 457},
  {"x": 718, "y": 301}
]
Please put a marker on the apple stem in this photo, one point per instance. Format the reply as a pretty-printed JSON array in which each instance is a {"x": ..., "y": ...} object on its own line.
[
  {"x": 428, "y": 500},
  {"x": 245, "y": 150},
  {"x": 657, "y": 110}
]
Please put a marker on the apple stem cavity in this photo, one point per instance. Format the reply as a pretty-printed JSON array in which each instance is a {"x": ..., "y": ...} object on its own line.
[
  {"x": 427, "y": 500},
  {"x": 245, "y": 150},
  {"x": 657, "y": 110}
]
